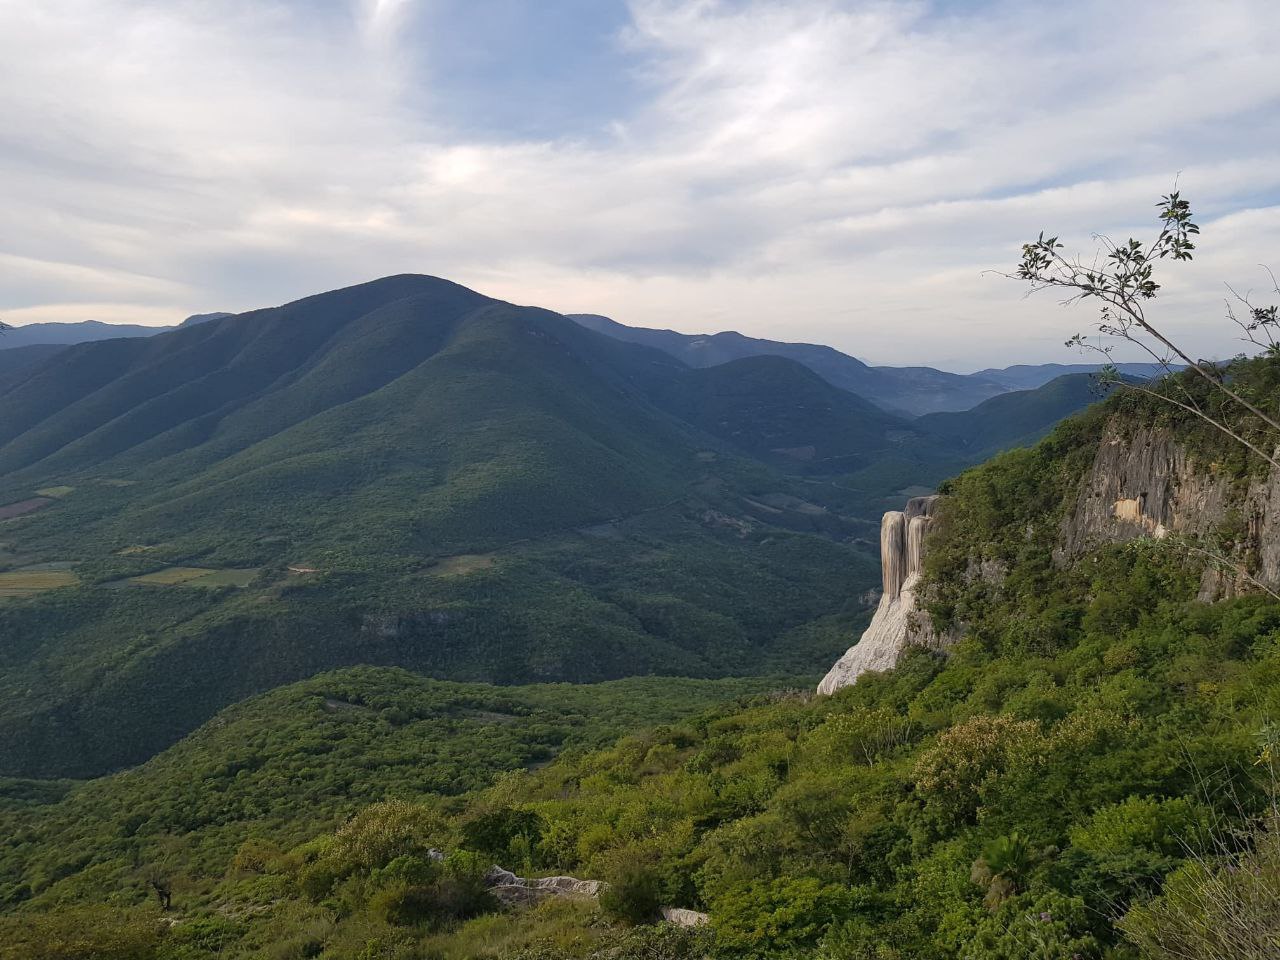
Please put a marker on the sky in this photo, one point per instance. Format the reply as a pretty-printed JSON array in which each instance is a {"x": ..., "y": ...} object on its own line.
[{"x": 851, "y": 173}]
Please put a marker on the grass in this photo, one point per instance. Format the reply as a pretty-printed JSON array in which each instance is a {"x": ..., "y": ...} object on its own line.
[
  {"x": 135, "y": 550},
  {"x": 54, "y": 492},
  {"x": 172, "y": 576},
  {"x": 463, "y": 564},
  {"x": 24, "y": 583},
  {"x": 225, "y": 578},
  {"x": 197, "y": 577}
]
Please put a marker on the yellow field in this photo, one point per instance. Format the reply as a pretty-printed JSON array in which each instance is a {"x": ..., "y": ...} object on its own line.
[
  {"x": 23, "y": 583},
  {"x": 463, "y": 564},
  {"x": 54, "y": 492}
]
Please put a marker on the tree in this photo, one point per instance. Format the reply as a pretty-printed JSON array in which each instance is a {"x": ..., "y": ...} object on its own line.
[{"x": 1121, "y": 277}]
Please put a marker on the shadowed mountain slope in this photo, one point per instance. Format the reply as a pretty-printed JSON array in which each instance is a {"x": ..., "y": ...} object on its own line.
[
  {"x": 909, "y": 391},
  {"x": 401, "y": 473},
  {"x": 1010, "y": 420}
]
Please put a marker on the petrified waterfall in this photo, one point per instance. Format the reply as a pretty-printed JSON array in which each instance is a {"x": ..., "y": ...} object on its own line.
[{"x": 902, "y": 535}]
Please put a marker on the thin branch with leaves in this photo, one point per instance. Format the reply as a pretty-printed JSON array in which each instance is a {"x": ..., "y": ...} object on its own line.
[{"x": 1122, "y": 277}]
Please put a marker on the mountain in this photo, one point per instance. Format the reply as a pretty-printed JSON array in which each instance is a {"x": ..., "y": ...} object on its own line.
[
  {"x": 1029, "y": 376},
  {"x": 402, "y": 473},
  {"x": 908, "y": 391},
  {"x": 86, "y": 331},
  {"x": 198, "y": 318},
  {"x": 1082, "y": 758},
  {"x": 1016, "y": 419},
  {"x": 14, "y": 361}
]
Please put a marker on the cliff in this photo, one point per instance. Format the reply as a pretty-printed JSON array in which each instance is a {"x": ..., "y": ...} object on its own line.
[
  {"x": 1146, "y": 482},
  {"x": 896, "y": 623}
]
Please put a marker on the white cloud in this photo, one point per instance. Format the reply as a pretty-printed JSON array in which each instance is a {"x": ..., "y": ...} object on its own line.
[{"x": 839, "y": 172}]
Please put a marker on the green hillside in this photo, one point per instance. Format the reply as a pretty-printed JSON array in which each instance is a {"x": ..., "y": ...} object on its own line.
[
  {"x": 1010, "y": 420},
  {"x": 1091, "y": 764},
  {"x": 402, "y": 473}
]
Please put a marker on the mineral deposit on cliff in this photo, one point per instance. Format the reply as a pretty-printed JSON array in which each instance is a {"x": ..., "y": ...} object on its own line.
[{"x": 894, "y": 625}]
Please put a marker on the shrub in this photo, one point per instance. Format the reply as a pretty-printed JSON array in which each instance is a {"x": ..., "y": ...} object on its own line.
[{"x": 634, "y": 892}]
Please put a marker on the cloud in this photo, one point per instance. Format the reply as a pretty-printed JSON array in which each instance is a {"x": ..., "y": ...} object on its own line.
[{"x": 816, "y": 170}]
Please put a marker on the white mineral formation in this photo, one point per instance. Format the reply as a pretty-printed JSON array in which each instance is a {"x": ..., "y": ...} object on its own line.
[{"x": 901, "y": 555}]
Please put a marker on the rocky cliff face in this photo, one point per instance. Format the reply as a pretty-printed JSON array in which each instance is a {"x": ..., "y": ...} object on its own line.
[
  {"x": 1145, "y": 483},
  {"x": 896, "y": 623}
]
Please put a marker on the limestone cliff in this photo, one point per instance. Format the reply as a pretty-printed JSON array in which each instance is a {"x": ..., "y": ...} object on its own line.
[
  {"x": 1145, "y": 482},
  {"x": 896, "y": 623}
]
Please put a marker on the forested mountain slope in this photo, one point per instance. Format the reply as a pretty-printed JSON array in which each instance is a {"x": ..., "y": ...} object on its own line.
[
  {"x": 1093, "y": 737},
  {"x": 407, "y": 473},
  {"x": 909, "y": 391}
]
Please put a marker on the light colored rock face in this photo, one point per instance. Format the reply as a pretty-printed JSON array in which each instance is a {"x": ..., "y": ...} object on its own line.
[
  {"x": 512, "y": 890},
  {"x": 685, "y": 918},
  {"x": 896, "y": 623},
  {"x": 1143, "y": 483}
]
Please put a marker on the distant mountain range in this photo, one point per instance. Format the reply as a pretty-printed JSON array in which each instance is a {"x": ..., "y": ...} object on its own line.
[
  {"x": 909, "y": 391},
  {"x": 906, "y": 391},
  {"x": 87, "y": 331}
]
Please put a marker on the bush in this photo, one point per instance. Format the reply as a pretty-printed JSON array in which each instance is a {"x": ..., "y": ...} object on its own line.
[
  {"x": 1229, "y": 909},
  {"x": 634, "y": 892}
]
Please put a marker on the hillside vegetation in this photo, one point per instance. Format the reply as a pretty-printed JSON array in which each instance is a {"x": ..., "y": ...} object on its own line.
[
  {"x": 1097, "y": 740},
  {"x": 409, "y": 473}
]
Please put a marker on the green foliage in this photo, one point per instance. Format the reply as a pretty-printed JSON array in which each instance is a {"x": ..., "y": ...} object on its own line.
[
  {"x": 89, "y": 933},
  {"x": 1216, "y": 906},
  {"x": 634, "y": 892}
]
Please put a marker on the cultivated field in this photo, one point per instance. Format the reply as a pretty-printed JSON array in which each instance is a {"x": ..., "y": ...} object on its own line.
[
  {"x": 196, "y": 577},
  {"x": 11, "y": 510},
  {"x": 23, "y": 583}
]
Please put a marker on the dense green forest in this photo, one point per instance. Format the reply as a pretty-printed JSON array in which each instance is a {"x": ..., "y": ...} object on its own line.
[
  {"x": 1088, "y": 772},
  {"x": 407, "y": 473}
]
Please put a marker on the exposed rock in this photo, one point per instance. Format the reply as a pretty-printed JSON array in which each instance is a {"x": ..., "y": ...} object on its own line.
[
  {"x": 498, "y": 876},
  {"x": 1145, "y": 483},
  {"x": 685, "y": 918},
  {"x": 512, "y": 890},
  {"x": 896, "y": 623}
]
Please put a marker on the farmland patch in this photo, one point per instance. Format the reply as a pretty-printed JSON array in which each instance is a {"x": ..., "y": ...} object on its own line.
[
  {"x": 22, "y": 507},
  {"x": 196, "y": 577},
  {"x": 24, "y": 583},
  {"x": 463, "y": 564}
]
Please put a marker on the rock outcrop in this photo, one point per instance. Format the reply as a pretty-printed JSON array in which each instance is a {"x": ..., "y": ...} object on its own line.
[
  {"x": 514, "y": 891},
  {"x": 896, "y": 623},
  {"x": 511, "y": 890},
  {"x": 685, "y": 918},
  {"x": 1145, "y": 483}
]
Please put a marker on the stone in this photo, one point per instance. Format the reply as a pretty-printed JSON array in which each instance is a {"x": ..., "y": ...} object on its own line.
[
  {"x": 685, "y": 918},
  {"x": 896, "y": 623}
]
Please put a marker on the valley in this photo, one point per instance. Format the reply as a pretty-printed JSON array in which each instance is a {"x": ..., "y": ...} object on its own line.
[
  {"x": 481, "y": 491},
  {"x": 381, "y": 560}
]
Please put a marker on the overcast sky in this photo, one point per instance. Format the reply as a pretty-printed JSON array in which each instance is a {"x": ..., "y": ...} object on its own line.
[{"x": 839, "y": 172}]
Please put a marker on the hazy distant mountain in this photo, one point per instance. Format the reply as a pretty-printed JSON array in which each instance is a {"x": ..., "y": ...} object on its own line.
[
  {"x": 910, "y": 391},
  {"x": 89, "y": 331},
  {"x": 86, "y": 331},
  {"x": 1028, "y": 376},
  {"x": 907, "y": 390}
]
